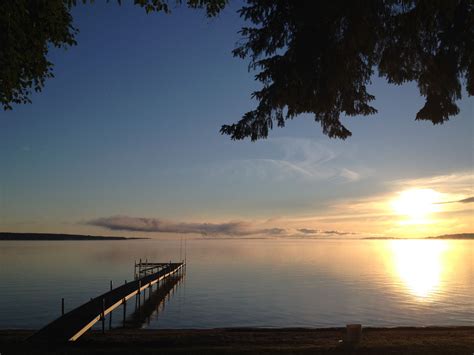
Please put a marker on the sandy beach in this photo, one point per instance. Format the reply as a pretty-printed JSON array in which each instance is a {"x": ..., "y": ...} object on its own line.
[{"x": 402, "y": 340}]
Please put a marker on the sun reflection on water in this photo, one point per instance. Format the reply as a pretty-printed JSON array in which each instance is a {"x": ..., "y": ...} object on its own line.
[{"x": 420, "y": 265}]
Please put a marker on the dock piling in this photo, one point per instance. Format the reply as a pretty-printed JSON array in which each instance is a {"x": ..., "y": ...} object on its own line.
[
  {"x": 139, "y": 293},
  {"x": 124, "y": 310},
  {"x": 103, "y": 315},
  {"x": 62, "y": 306}
]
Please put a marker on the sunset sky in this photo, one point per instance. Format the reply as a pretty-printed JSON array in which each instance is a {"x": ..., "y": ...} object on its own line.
[{"x": 125, "y": 141}]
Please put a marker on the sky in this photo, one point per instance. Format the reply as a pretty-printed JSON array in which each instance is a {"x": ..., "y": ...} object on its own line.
[{"x": 125, "y": 141}]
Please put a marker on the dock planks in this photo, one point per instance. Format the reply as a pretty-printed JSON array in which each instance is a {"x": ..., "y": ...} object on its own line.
[{"x": 75, "y": 323}]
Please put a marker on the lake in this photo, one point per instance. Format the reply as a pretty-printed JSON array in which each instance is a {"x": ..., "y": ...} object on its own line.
[{"x": 245, "y": 282}]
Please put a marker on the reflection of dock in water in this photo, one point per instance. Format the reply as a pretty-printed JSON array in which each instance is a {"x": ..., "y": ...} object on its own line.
[{"x": 154, "y": 302}]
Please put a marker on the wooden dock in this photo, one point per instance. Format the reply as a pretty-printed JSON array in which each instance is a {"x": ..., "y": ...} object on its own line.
[{"x": 71, "y": 325}]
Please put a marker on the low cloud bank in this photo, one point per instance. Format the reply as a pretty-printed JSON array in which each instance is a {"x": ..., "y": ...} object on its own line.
[
  {"x": 157, "y": 225},
  {"x": 327, "y": 232},
  {"x": 308, "y": 231},
  {"x": 236, "y": 229}
]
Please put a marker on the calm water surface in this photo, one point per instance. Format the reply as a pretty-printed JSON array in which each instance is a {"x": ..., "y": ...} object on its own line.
[{"x": 265, "y": 283}]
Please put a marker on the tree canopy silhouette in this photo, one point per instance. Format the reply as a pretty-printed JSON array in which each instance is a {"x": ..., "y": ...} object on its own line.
[
  {"x": 315, "y": 57},
  {"x": 318, "y": 57},
  {"x": 29, "y": 27}
]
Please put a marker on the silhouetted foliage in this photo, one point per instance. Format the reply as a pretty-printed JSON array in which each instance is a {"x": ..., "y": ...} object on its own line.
[
  {"x": 318, "y": 57},
  {"x": 26, "y": 29},
  {"x": 29, "y": 27},
  {"x": 311, "y": 56}
]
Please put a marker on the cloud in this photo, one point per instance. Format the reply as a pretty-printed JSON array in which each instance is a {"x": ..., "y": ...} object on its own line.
[
  {"x": 157, "y": 225},
  {"x": 467, "y": 200},
  {"x": 460, "y": 182},
  {"x": 308, "y": 231},
  {"x": 295, "y": 158},
  {"x": 238, "y": 229},
  {"x": 349, "y": 175},
  {"x": 334, "y": 232},
  {"x": 464, "y": 200}
]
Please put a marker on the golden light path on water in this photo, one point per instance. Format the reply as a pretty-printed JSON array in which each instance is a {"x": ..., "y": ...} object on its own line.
[{"x": 420, "y": 265}]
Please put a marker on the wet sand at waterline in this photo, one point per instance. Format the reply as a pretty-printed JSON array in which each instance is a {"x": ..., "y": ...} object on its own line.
[{"x": 403, "y": 340}]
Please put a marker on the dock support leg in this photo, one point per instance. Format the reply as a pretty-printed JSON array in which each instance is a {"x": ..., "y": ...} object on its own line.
[
  {"x": 124, "y": 310},
  {"x": 139, "y": 294},
  {"x": 62, "y": 306},
  {"x": 103, "y": 315}
]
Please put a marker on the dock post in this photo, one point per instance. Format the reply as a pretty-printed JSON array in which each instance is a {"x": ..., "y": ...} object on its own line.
[
  {"x": 139, "y": 295},
  {"x": 62, "y": 306},
  {"x": 353, "y": 334},
  {"x": 124, "y": 310},
  {"x": 103, "y": 315}
]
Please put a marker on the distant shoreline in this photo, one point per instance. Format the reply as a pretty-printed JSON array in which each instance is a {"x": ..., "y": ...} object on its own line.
[{"x": 4, "y": 236}]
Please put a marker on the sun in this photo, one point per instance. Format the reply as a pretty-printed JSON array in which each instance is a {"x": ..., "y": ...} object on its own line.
[{"x": 416, "y": 205}]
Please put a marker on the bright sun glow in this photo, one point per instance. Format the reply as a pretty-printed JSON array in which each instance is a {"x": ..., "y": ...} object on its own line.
[
  {"x": 419, "y": 265},
  {"x": 417, "y": 205}
]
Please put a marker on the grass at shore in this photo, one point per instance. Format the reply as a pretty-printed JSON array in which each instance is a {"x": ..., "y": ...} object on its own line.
[{"x": 431, "y": 340}]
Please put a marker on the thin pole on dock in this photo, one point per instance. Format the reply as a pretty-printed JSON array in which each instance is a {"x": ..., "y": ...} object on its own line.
[
  {"x": 185, "y": 245},
  {"x": 103, "y": 315},
  {"x": 110, "y": 315},
  {"x": 124, "y": 310},
  {"x": 62, "y": 306},
  {"x": 139, "y": 296}
]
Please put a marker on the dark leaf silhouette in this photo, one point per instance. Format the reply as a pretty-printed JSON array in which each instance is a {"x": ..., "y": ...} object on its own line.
[
  {"x": 29, "y": 27},
  {"x": 318, "y": 57}
]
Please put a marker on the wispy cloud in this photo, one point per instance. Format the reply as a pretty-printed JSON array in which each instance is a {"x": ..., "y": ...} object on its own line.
[
  {"x": 464, "y": 200},
  {"x": 461, "y": 182},
  {"x": 296, "y": 158}
]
